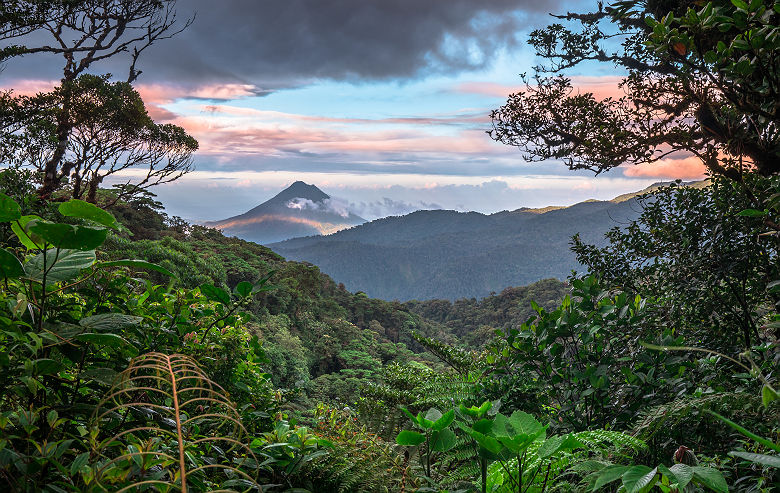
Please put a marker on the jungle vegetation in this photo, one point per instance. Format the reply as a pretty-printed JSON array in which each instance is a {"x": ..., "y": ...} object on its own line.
[{"x": 142, "y": 353}]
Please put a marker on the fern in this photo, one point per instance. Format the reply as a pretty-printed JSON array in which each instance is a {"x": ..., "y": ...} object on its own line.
[
  {"x": 358, "y": 460},
  {"x": 169, "y": 426},
  {"x": 538, "y": 471},
  {"x": 668, "y": 416}
]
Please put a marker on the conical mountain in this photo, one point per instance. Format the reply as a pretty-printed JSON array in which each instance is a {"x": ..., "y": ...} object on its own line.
[{"x": 298, "y": 210}]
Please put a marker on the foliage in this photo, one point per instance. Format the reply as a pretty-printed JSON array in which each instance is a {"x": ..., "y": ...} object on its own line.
[
  {"x": 359, "y": 460},
  {"x": 88, "y": 128},
  {"x": 509, "y": 308},
  {"x": 700, "y": 81},
  {"x": 583, "y": 361},
  {"x": 109, "y": 131},
  {"x": 71, "y": 324},
  {"x": 514, "y": 452},
  {"x": 643, "y": 478},
  {"x": 168, "y": 425},
  {"x": 701, "y": 260}
]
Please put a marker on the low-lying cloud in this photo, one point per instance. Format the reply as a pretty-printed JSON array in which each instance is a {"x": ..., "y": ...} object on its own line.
[
  {"x": 332, "y": 205},
  {"x": 389, "y": 207}
]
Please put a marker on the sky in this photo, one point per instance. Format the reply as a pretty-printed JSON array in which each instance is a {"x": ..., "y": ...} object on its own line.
[{"x": 383, "y": 104}]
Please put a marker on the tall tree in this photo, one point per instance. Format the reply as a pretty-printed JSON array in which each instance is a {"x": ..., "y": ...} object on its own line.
[
  {"x": 111, "y": 132},
  {"x": 83, "y": 32}
]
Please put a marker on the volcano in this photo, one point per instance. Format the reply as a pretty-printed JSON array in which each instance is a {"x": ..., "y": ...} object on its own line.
[{"x": 298, "y": 210}]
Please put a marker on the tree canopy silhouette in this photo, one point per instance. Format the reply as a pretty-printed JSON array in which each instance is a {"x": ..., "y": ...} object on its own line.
[
  {"x": 701, "y": 80},
  {"x": 88, "y": 128}
]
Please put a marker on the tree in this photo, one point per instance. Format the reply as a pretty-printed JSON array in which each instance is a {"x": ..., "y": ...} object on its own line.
[
  {"x": 705, "y": 265},
  {"x": 85, "y": 32},
  {"x": 110, "y": 133},
  {"x": 702, "y": 79}
]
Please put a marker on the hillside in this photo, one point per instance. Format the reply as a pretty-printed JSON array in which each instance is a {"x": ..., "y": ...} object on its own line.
[
  {"x": 448, "y": 254},
  {"x": 299, "y": 210}
]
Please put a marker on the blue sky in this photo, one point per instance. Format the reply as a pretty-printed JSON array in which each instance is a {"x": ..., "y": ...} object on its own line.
[{"x": 383, "y": 104}]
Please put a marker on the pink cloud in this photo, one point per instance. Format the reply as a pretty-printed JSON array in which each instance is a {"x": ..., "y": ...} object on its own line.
[
  {"x": 154, "y": 95},
  {"x": 688, "y": 168},
  {"x": 281, "y": 133},
  {"x": 168, "y": 93},
  {"x": 603, "y": 86},
  {"x": 466, "y": 116},
  {"x": 29, "y": 87}
]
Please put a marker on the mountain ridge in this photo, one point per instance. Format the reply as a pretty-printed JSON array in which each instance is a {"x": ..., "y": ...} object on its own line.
[{"x": 449, "y": 254}]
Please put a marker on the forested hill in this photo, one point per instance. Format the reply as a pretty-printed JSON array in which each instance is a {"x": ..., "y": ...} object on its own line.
[
  {"x": 474, "y": 321},
  {"x": 451, "y": 255}
]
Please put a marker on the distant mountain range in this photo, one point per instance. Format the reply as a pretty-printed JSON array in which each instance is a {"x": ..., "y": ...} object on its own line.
[
  {"x": 298, "y": 210},
  {"x": 448, "y": 254}
]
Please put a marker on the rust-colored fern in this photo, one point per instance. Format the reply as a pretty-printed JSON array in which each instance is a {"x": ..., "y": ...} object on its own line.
[{"x": 168, "y": 426}]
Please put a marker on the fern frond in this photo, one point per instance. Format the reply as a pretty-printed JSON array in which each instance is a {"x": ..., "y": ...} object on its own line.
[
  {"x": 668, "y": 416},
  {"x": 169, "y": 426}
]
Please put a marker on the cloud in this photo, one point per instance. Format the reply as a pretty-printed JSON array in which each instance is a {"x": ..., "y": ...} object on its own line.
[
  {"x": 230, "y": 133},
  {"x": 286, "y": 44},
  {"x": 602, "y": 86},
  {"x": 335, "y": 206},
  {"x": 155, "y": 96},
  {"x": 323, "y": 227},
  {"x": 685, "y": 168},
  {"x": 213, "y": 195},
  {"x": 389, "y": 207}
]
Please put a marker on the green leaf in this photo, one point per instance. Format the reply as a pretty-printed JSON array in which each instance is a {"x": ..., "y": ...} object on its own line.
[
  {"x": 608, "y": 475},
  {"x": 109, "y": 340},
  {"x": 442, "y": 441},
  {"x": 262, "y": 285},
  {"x": 19, "y": 228},
  {"x": 763, "y": 459},
  {"x": 525, "y": 423},
  {"x": 105, "y": 376},
  {"x": 683, "y": 474},
  {"x": 768, "y": 395},
  {"x": 10, "y": 266},
  {"x": 215, "y": 294},
  {"x": 409, "y": 414},
  {"x": 69, "y": 263},
  {"x": 711, "y": 478},
  {"x": 110, "y": 322},
  {"x": 740, "y": 4},
  {"x": 69, "y": 236},
  {"x": 137, "y": 264},
  {"x": 432, "y": 415},
  {"x": 243, "y": 289},
  {"x": 484, "y": 425},
  {"x": 423, "y": 422},
  {"x": 45, "y": 366},
  {"x": 639, "y": 479},
  {"x": 409, "y": 438},
  {"x": 85, "y": 210},
  {"x": 9, "y": 209},
  {"x": 550, "y": 446},
  {"x": 444, "y": 421},
  {"x": 752, "y": 213},
  {"x": 78, "y": 462}
]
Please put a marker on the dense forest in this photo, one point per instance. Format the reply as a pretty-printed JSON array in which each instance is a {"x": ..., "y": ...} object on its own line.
[{"x": 142, "y": 353}]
